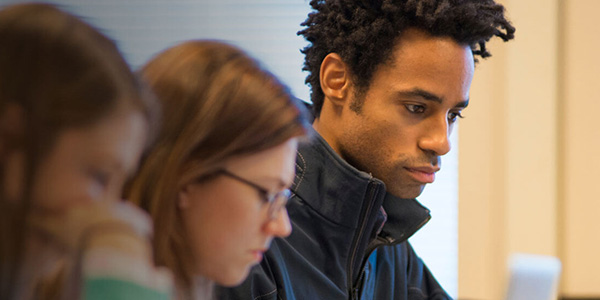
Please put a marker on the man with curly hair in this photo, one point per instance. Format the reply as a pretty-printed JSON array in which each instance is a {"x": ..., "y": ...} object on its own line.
[{"x": 389, "y": 79}]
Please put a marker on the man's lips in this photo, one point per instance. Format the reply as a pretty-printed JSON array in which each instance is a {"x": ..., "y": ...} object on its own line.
[{"x": 423, "y": 174}]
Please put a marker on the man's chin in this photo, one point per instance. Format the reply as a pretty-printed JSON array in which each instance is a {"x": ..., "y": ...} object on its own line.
[{"x": 407, "y": 192}]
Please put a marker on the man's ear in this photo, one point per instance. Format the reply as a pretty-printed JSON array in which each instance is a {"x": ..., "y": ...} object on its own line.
[{"x": 335, "y": 81}]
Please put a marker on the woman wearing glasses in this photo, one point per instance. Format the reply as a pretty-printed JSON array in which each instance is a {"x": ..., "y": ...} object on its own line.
[{"x": 216, "y": 180}]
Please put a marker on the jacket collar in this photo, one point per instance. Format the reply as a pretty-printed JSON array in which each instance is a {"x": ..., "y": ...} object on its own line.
[
  {"x": 338, "y": 191},
  {"x": 404, "y": 217},
  {"x": 330, "y": 185}
]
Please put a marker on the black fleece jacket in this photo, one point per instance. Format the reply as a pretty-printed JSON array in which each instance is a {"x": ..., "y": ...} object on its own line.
[{"x": 349, "y": 239}]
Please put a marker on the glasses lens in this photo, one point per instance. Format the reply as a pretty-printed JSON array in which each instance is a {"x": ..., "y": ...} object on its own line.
[{"x": 278, "y": 203}]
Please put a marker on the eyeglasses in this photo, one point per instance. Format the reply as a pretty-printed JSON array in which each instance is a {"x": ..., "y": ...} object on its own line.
[{"x": 276, "y": 201}]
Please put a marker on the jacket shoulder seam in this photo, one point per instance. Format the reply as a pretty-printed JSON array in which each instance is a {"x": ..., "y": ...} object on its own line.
[
  {"x": 303, "y": 168},
  {"x": 265, "y": 295}
]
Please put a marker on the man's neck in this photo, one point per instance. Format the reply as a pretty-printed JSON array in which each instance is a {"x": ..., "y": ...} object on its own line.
[{"x": 327, "y": 133}]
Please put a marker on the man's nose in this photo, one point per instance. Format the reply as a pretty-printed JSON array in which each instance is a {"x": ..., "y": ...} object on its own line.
[{"x": 436, "y": 137}]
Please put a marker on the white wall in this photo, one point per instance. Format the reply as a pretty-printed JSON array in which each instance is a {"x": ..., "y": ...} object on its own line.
[{"x": 580, "y": 147}]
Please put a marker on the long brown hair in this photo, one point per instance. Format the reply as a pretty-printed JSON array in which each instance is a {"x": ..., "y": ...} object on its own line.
[
  {"x": 217, "y": 103},
  {"x": 60, "y": 73}
]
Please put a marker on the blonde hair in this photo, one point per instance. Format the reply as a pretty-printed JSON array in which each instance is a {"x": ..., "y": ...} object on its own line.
[{"x": 217, "y": 103}]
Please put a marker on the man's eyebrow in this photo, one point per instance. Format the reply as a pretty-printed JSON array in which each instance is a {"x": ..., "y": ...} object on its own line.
[
  {"x": 462, "y": 104},
  {"x": 420, "y": 93}
]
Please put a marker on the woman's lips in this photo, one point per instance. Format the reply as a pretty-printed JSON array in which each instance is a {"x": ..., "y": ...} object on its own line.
[{"x": 258, "y": 255}]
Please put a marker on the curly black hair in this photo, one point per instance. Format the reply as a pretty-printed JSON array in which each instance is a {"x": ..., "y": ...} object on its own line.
[{"x": 364, "y": 32}]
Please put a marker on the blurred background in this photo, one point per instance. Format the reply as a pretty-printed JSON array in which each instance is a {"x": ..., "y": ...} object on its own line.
[
  {"x": 530, "y": 151},
  {"x": 523, "y": 172}
]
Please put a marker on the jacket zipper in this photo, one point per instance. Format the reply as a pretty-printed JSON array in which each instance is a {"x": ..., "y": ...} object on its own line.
[
  {"x": 382, "y": 241},
  {"x": 371, "y": 192}
]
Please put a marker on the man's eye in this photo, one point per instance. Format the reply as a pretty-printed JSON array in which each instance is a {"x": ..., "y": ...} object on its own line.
[
  {"x": 453, "y": 115},
  {"x": 415, "y": 108}
]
